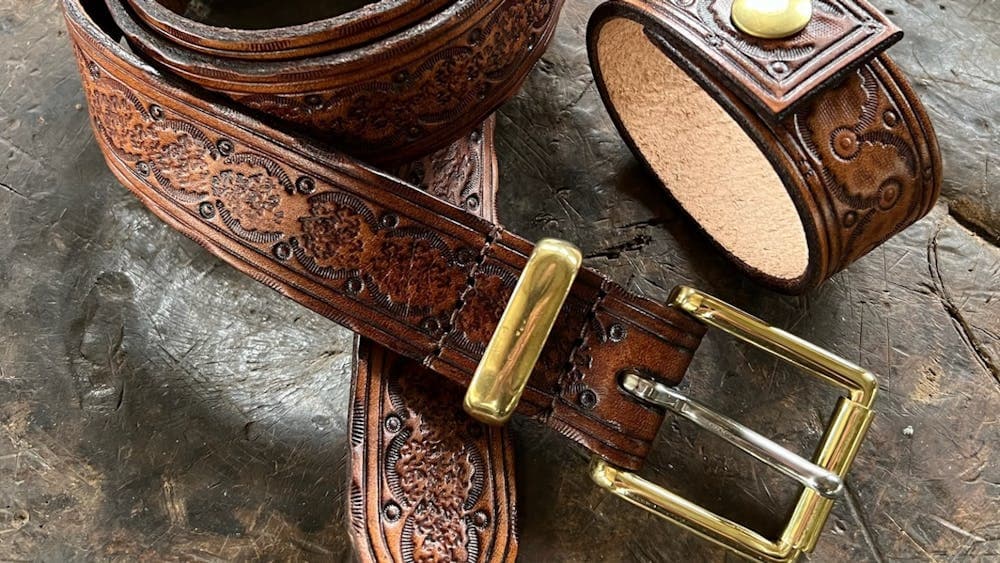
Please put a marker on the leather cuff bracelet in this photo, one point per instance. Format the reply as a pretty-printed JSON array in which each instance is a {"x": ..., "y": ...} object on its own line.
[{"x": 796, "y": 156}]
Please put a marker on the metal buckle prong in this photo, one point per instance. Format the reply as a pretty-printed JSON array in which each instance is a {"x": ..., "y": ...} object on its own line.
[
  {"x": 836, "y": 452},
  {"x": 821, "y": 480}
]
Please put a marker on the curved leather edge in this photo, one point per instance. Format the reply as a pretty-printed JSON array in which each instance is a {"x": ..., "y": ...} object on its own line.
[
  {"x": 355, "y": 28},
  {"x": 484, "y": 49},
  {"x": 846, "y": 210}
]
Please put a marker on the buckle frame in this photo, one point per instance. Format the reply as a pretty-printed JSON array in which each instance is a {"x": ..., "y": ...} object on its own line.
[{"x": 836, "y": 452}]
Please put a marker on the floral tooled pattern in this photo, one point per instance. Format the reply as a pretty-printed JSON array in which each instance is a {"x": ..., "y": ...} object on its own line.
[
  {"x": 249, "y": 195},
  {"x": 871, "y": 163},
  {"x": 435, "y": 469},
  {"x": 428, "y": 95},
  {"x": 182, "y": 162},
  {"x": 138, "y": 141},
  {"x": 509, "y": 34},
  {"x": 439, "y": 283},
  {"x": 341, "y": 232},
  {"x": 333, "y": 233},
  {"x": 118, "y": 116},
  {"x": 458, "y": 173},
  {"x": 177, "y": 155},
  {"x": 246, "y": 193}
]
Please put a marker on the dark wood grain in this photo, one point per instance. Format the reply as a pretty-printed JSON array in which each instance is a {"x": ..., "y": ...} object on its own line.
[{"x": 143, "y": 415}]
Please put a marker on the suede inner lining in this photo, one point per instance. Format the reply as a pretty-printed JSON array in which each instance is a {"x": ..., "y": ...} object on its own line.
[{"x": 706, "y": 160}]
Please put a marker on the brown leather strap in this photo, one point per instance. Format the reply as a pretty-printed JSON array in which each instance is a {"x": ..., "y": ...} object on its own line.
[
  {"x": 398, "y": 266},
  {"x": 428, "y": 483},
  {"x": 387, "y": 85},
  {"x": 797, "y": 156}
]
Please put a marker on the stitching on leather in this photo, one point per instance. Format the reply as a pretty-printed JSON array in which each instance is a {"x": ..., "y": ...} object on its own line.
[
  {"x": 470, "y": 284},
  {"x": 580, "y": 343}
]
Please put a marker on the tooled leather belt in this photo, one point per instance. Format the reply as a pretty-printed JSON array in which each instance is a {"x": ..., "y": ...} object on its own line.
[{"x": 294, "y": 154}]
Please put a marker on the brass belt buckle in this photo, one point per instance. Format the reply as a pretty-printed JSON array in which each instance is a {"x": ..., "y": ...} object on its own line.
[
  {"x": 836, "y": 452},
  {"x": 524, "y": 327}
]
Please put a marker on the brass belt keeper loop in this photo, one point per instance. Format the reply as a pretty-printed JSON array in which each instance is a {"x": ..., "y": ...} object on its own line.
[{"x": 524, "y": 327}]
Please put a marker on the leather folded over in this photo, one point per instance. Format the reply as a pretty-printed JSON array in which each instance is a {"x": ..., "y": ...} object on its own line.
[{"x": 429, "y": 483}]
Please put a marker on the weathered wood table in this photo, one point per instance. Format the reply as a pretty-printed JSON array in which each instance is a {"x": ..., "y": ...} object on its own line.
[{"x": 156, "y": 404}]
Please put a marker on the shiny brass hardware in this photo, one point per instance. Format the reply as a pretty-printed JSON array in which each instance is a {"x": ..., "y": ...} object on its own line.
[
  {"x": 836, "y": 452},
  {"x": 771, "y": 19},
  {"x": 524, "y": 327}
]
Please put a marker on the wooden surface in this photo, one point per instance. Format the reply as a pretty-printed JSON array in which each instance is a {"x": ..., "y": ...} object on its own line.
[{"x": 142, "y": 415}]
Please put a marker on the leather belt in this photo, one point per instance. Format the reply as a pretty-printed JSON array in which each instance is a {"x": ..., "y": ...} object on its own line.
[{"x": 227, "y": 135}]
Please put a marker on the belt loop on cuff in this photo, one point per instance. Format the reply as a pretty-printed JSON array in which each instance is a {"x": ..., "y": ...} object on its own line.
[{"x": 524, "y": 327}]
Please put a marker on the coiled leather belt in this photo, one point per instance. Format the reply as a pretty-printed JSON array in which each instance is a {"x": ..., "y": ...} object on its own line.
[{"x": 797, "y": 156}]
